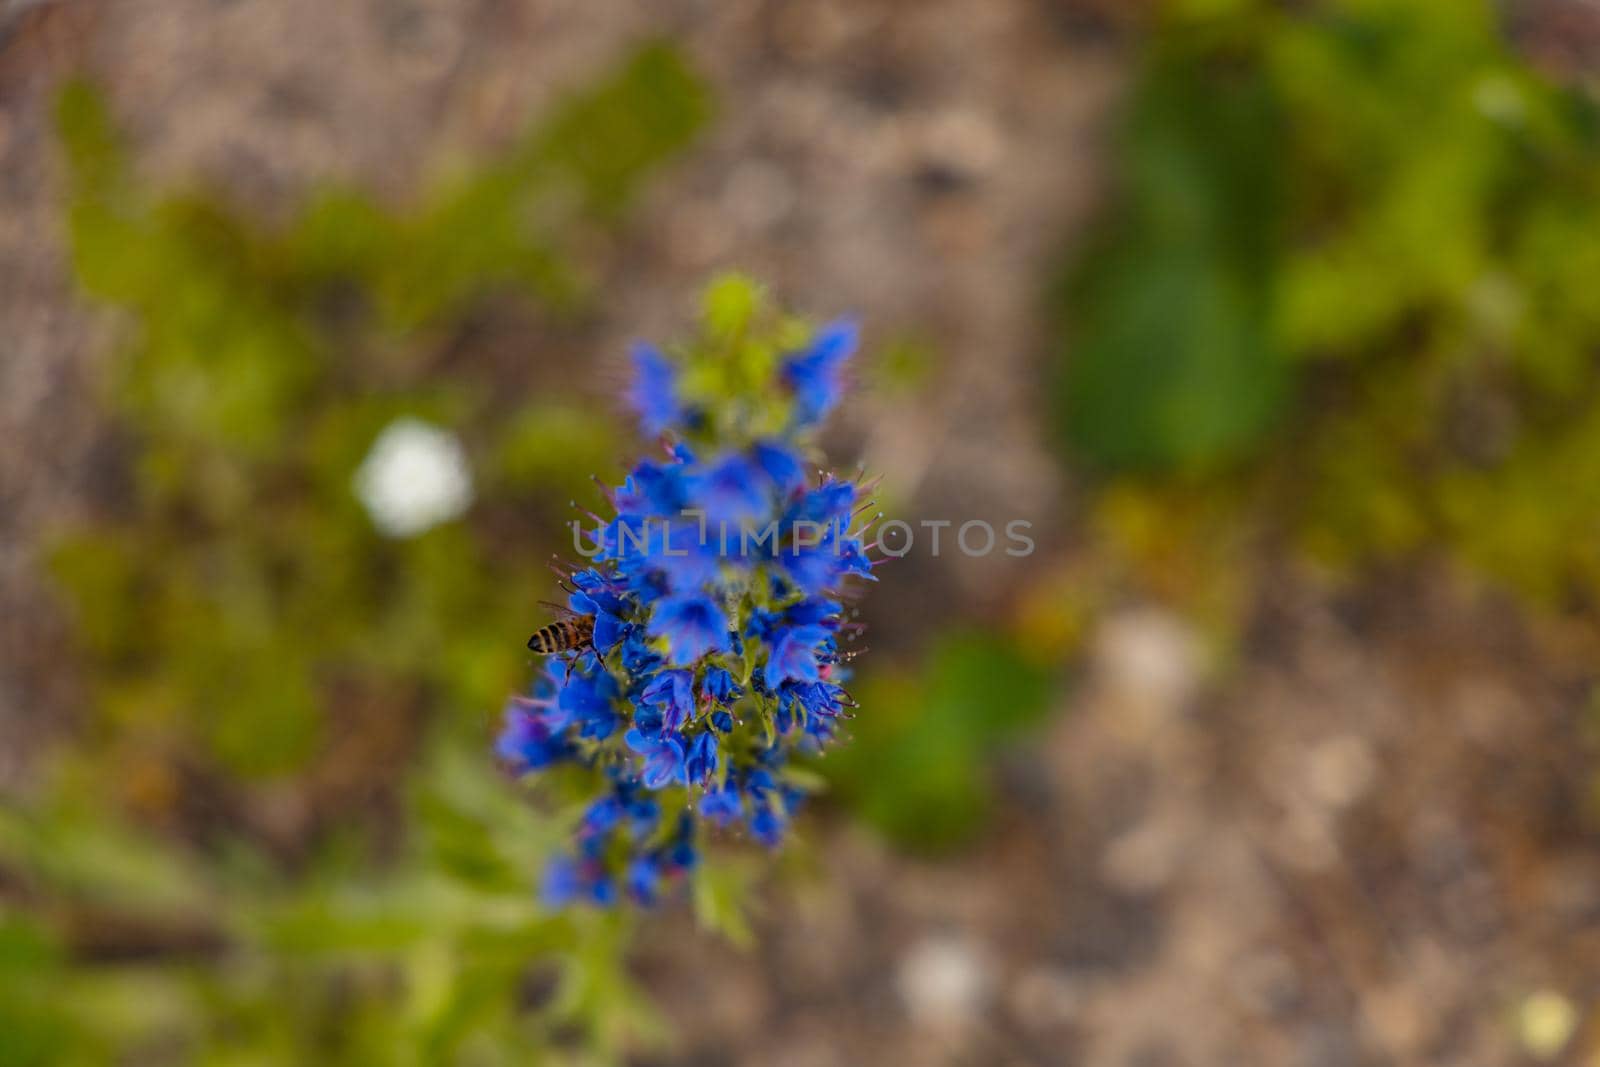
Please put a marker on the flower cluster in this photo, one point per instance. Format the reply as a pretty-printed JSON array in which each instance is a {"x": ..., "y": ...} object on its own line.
[{"x": 714, "y": 594}]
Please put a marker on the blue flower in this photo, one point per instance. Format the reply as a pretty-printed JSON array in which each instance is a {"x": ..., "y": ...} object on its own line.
[
  {"x": 733, "y": 491},
  {"x": 701, "y": 762},
  {"x": 714, "y": 585},
  {"x": 718, "y": 687},
  {"x": 663, "y": 758},
  {"x": 818, "y": 698},
  {"x": 816, "y": 375},
  {"x": 820, "y": 704},
  {"x": 603, "y": 815},
  {"x": 639, "y": 660},
  {"x": 812, "y": 567},
  {"x": 588, "y": 689},
  {"x": 722, "y": 806},
  {"x": 527, "y": 743},
  {"x": 653, "y": 490},
  {"x": 853, "y": 560},
  {"x": 815, "y": 548},
  {"x": 794, "y": 656},
  {"x": 562, "y": 882},
  {"x": 602, "y": 890},
  {"x": 766, "y": 825},
  {"x": 682, "y": 855},
  {"x": 681, "y": 553},
  {"x": 814, "y": 611},
  {"x": 829, "y": 504},
  {"x": 654, "y": 394},
  {"x": 758, "y": 781},
  {"x": 781, "y": 465},
  {"x": 567, "y": 879},
  {"x": 673, "y": 693},
  {"x": 589, "y": 696},
  {"x": 692, "y": 624},
  {"x": 644, "y": 874},
  {"x": 609, "y": 626}
]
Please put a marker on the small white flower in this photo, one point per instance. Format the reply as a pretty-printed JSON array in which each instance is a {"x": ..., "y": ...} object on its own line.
[
  {"x": 944, "y": 979},
  {"x": 415, "y": 476}
]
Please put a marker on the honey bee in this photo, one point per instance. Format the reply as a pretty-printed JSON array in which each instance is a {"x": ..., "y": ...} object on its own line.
[{"x": 563, "y": 635}]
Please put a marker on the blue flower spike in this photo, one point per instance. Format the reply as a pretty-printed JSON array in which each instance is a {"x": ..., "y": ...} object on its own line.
[
  {"x": 654, "y": 394},
  {"x": 817, "y": 374},
  {"x": 716, "y": 589}
]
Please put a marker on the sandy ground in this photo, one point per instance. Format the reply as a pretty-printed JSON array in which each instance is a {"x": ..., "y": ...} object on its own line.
[{"x": 1369, "y": 845}]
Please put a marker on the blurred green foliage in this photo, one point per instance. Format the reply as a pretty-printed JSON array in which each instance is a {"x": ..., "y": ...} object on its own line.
[
  {"x": 243, "y": 593},
  {"x": 917, "y": 767},
  {"x": 215, "y": 960},
  {"x": 1351, "y": 267},
  {"x": 1174, "y": 359},
  {"x": 283, "y": 801}
]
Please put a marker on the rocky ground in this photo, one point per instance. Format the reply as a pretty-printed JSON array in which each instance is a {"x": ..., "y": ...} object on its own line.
[
  {"x": 1362, "y": 842},
  {"x": 1368, "y": 845}
]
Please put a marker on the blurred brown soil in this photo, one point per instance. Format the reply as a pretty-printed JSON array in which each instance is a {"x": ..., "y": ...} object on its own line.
[
  {"x": 1364, "y": 842},
  {"x": 1367, "y": 844}
]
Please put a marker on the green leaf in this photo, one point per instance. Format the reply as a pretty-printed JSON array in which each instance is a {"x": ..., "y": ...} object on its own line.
[
  {"x": 722, "y": 888},
  {"x": 1171, "y": 359},
  {"x": 917, "y": 766},
  {"x": 611, "y": 136}
]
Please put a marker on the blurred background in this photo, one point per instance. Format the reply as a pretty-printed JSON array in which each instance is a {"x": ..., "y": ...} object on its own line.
[{"x": 1278, "y": 321}]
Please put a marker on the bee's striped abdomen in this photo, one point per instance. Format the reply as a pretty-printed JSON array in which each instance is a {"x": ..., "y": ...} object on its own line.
[{"x": 563, "y": 635}]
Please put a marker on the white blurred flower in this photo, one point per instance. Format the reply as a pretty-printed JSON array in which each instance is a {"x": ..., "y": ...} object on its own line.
[
  {"x": 415, "y": 476},
  {"x": 943, "y": 979}
]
